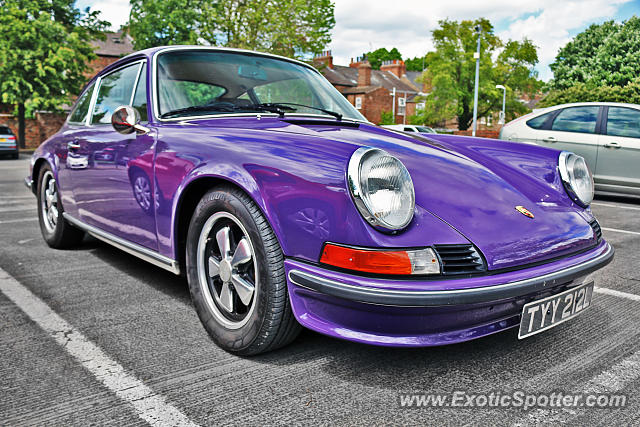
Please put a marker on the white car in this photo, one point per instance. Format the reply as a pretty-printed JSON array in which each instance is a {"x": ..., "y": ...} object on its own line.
[
  {"x": 606, "y": 134},
  {"x": 410, "y": 128}
]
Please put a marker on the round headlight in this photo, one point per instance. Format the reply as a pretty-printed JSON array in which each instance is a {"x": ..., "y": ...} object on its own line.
[
  {"x": 576, "y": 177},
  {"x": 381, "y": 188}
]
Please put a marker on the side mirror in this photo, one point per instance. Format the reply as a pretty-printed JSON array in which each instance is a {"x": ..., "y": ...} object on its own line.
[{"x": 126, "y": 119}]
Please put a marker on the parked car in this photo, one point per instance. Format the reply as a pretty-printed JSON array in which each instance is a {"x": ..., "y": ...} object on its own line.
[
  {"x": 410, "y": 128},
  {"x": 283, "y": 206},
  {"x": 606, "y": 134},
  {"x": 8, "y": 143}
]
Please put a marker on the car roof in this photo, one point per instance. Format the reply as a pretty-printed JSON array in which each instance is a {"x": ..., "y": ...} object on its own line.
[{"x": 584, "y": 104}]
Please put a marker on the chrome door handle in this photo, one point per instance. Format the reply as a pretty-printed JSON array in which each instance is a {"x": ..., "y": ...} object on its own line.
[
  {"x": 613, "y": 145},
  {"x": 73, "y": 146},
  {"x": 549, "y": 139}
]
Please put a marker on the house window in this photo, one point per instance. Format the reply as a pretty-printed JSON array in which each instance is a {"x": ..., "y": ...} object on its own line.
[
  {"x": 359, "y": 102},
  {"x": 402, "y": 105},
  {"x": 421, "y": 106}
]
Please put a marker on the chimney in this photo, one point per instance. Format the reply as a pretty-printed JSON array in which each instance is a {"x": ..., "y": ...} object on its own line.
[
  {"x": 359, "y": 60},
  {"x": 364, "y": 73},
  {"x": 325, "y": 58},
  {"x": 396, "y": 66}
]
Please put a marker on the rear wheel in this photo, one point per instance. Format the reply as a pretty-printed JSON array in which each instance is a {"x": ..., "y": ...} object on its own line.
[
  {"x": 57, "y": 232},
  {"x": 15, "y": 155},
  {"x": 235, "y": 269}
]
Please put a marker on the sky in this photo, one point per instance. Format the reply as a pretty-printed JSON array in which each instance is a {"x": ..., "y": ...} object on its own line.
[{"x": 365, "y": 25}]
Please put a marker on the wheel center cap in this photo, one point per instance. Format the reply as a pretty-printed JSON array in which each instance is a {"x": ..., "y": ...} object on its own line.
[{"x": 225, "y": 270}]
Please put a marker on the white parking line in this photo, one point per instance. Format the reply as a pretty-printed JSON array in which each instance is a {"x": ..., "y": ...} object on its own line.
[
  {"x": 18, "y": 209},
  {"x": 613, "y": 292},
  {"x": 617, "y": 230},
  {"x": 9, "y": 221},
  {"x": 149, "y": 406},
  {"x": 616, "y": 206}
]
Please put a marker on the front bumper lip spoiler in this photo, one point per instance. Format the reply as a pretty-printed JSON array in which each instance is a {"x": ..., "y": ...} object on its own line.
[{"x": 485, "y": 294}]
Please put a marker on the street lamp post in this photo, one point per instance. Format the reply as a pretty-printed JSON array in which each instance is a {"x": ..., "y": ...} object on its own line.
[
  {"x": 504, "y": 98},
  {"x": 475, "y": 92}
]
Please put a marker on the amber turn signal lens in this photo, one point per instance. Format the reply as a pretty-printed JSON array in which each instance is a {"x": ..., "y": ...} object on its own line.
[{"x": 399, "y": 262}]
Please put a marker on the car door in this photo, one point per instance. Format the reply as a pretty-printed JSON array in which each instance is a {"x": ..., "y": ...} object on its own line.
[
  {"x": 115, "y": 193},
  {"x": 70, "y": 152},
  {"x": 618, "y": 166},
  {"x": 574, "y": 129}
]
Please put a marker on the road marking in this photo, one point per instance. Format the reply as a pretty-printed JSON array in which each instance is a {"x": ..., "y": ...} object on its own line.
[
  {"x": 151, "y": 407},
  {"x": 616, "y": 230},
  {"x": 9, "y": 221},
  {"x": 616, "y": 206},
  {"x": 22, "y": 242},
  {"x": 613, "y": 292},
  {"x": 16, "y": 197},
  {"x": 18, "y": 209}
]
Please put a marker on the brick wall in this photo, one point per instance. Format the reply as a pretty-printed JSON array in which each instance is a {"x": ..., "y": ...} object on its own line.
[
  {"x": 36, "y": 130},
  {"x": 481, "y": 133}
]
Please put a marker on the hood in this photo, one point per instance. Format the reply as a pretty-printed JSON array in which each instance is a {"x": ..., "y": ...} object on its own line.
[{"x": 474, "y": 185}]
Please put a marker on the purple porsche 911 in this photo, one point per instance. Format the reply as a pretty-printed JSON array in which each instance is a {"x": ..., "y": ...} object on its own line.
[{"x": 251, "y": 175}]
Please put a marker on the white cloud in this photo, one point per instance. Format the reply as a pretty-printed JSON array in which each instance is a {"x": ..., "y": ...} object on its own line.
[{"x": 362, "y": 25}]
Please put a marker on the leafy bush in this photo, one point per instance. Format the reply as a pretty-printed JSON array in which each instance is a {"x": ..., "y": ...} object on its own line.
[
  {"x": 386, "y": 118},
  {"x": 580, "y": 92}
]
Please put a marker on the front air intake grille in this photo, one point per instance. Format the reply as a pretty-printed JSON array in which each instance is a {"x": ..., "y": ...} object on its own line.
[
  {"x": 596, "y": 229},
  {"x": 460, "y": 259}
]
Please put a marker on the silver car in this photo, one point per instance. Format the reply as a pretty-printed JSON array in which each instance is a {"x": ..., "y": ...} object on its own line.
[
  {"x": 8, "y": 143},
  {"x": 606, "y": 134}
]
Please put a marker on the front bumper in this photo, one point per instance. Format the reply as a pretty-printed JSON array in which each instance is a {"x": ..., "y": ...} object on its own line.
[{"x": 428, "y": 312}]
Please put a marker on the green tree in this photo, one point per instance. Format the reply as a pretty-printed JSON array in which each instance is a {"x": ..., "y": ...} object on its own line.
[
  {"x": 581, "y": 92},
  {"x": 419, "y": 63},
  {"x": 387, "y": 118},
  {"x": 293, "y": 28},
  {"x": 163, "y": 22},
  {"x": 376, "y": 57},
  {"x": 602, "y": 55},
  {"x": 44, "y": 53},
  {"x": 451, "y": 71}
]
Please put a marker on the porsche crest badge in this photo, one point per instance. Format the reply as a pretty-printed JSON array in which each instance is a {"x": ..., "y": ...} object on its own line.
[{"x": 524, "y": 211}]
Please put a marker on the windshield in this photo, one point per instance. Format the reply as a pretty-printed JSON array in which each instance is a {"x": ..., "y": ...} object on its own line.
[{"x": 195, "y": 82}]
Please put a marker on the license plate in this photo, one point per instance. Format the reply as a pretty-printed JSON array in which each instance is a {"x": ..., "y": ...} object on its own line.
[
  {"x": 543, "y": 314},
  {"x": 3, "y": 139}
]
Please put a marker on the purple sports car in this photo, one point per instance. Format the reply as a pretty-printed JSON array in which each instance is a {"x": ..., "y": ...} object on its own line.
[{"x": 252, "y": 176}]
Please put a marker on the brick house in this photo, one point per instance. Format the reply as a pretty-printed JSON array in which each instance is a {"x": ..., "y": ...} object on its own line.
[
  {"x": 371, "y": 91},
  {"x": 45, "y": 123}
]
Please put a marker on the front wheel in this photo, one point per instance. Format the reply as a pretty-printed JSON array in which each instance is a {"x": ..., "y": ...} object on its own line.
[
  {"x": 57, "y": 232},
  {"x": 235, "y": 269}
]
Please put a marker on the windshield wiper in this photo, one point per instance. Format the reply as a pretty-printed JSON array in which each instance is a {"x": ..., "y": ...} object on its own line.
[
  {"x": 286, "y": 106},
  {"x": 195, "y": 109}
]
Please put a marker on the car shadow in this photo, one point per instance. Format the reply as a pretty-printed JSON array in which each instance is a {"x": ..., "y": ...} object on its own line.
[
  {"x": 162, "y": 280},
  {"x": 618, "y": 199}
]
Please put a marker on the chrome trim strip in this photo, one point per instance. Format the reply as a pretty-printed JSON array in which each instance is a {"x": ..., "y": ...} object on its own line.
[
  {"x": 131, "y": 248},
  {"x": 483, "y": 294}
]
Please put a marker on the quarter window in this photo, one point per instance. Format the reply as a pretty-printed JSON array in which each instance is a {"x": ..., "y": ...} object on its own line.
[
  {"x": 623, "y": 122},
  {"x": 140, "y": 98},
  {"x": 115, "y": 90},
  {"x": 576, "y": 119},
  {"x": 538, "y": 122},
  {"x": 79, "y": 113}
]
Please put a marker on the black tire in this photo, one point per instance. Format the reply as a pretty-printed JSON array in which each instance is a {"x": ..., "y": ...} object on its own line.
[
  {"x": 15, "y": 156},
  {"x": 61, "y": 234},
  {"x": 270, "y": 324}
]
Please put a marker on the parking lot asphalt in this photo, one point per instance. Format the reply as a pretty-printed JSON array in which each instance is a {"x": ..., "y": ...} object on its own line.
[{"x": 139, "y": 318}]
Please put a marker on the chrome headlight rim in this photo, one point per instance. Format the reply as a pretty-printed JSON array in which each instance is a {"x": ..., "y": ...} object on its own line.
[
  {"x": 567, "y": 179},
  {"x": 360, "y": 199}
]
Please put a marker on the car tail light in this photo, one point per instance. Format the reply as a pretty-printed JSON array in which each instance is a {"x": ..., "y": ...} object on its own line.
[{"x": 398, "y": 262}]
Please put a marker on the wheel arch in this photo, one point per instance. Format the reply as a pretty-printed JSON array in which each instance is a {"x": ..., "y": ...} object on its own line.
[
  {"x": 35, "y": 172},
  {"x": 189, "y": 198}
]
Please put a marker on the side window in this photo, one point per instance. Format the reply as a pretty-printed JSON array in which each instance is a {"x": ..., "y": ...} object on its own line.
[
  {"x": 623, "y": 122},
  {"x": 538, "y": 122},
  {"x": 140, "y": 98},
  {"x": 79, "y": 113},
  {"x": 115, "y": 90},
  {"x": 409, "y": 130},
  {"x": 576, "y": 119}
]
